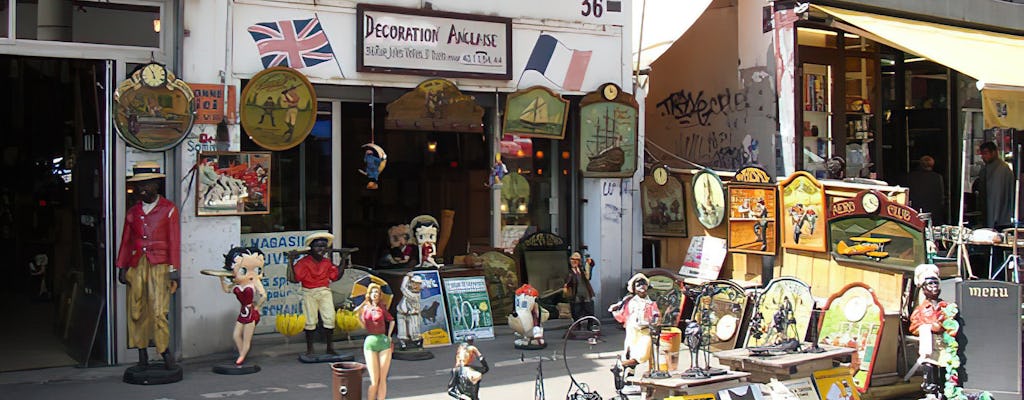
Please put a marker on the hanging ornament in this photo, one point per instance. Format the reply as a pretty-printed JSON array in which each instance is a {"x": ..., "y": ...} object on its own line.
[{"x": 374, "y": 156}]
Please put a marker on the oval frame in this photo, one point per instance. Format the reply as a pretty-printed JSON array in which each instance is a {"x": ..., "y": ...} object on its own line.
[
  {"x": 698, "y": 179},
  {"x": 127, "y": 89}
]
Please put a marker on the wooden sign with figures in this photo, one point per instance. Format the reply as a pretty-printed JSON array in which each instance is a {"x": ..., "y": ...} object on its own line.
[{"x": 153, "y": 109}]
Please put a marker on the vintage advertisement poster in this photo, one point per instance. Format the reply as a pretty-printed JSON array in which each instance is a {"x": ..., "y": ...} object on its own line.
[
  {"x": 233, "y": 183},
  {"x": 752, "y": 218},
  {"x": 836, "y": 384},
  {"x": 470, "y": 307},
  {"x": 803, "y": 212},
  {"x": 211, "y": 106},
  {"x": 803, "y": 388},
  {"x": 704, "y": 258},
  {"x": 433, "y": 314}
]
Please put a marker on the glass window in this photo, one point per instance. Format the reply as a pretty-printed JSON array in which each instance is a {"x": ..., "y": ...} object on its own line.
[
  {"x": 88, "y": 22},
  {"x": 300, "y": 182},
  {"x": 817, "y": 38},
  {"x": 4, "y": 17},
  {"x": 534, "y": 167}
]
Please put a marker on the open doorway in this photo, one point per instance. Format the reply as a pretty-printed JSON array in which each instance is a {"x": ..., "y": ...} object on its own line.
[{"x": 52, "y": 113}]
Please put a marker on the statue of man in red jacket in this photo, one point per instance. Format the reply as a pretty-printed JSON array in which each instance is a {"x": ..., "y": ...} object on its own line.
[{"x": 148, "y": 262}]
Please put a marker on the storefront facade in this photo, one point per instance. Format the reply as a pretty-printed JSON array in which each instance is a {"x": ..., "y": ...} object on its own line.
[{"x": 318, "y": 186}]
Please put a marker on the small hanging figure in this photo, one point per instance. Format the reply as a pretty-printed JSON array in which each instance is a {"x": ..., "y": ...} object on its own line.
[
  {"x": 376, "y": 159},
  {"x": 498, "y": 171}
]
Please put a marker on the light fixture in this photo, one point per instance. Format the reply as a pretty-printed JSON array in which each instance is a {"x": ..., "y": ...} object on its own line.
[
  {"x": 520, "y": 153},
  {"x": 522, "y": 207},
  {"x": 539, "y": 154},
  {"x": 156, "y": 25},
  {"x": 916, "y": 59},
  {"x": 565, "y": 155},
  {"x": 503, "y": 207},
  {"x": 432, "y": 146}
]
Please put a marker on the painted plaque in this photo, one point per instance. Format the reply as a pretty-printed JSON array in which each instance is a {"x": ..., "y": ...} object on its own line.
[
  {"x": 854, "y": 318},
  {"x": 667, "y": 289},
  {"x": 502, "y": 280},
  {"x": 835, "y": 384},
  {"x": 873, "y": 231},
  {"x": 435, "y": 105},
  {"x": 664, "y": 205},
  {"x": 752, "y": 174},
  {"x": 233, "y": 183},
  {"x": 278, "y": 108},
  {"x": 153, "y": 109},
  {"x": 783, "y": 299},
  {"x": 608, "y": 129},
  {"x": 709, "y": 198},
  {"x": 803, "y": 212},
  {"x": 433, "y": 314},
  {"x": 470, "y": 306},
  {"x": 725, "y": 303},
  {"x": 211, "y": 106},
  {"x": 704, "y": 258},
  {"x": 536, "y": 112},
  {"x": 752, "y": 218}
]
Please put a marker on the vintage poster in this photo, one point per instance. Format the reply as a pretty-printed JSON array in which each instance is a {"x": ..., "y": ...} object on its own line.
[
  {"x": 752, "y": 218},
  {"x": 784, "y": 299},
  {"x": 278, "y": 108},
  {"x": 153, "y": 109},
  {"x": 803, "y": 388},
  {"x": 746, "y": 392},
  {"x": 536, "y": 112},
  {"x": 708, "y": 198},
  {"x": 608, "y": 133},
  {"x": 664, "y": 204},
  {"x": 835, "y": 384},
  {"x": 871, "y": 230},
  {"x": 854, "y": 318},
  {"x": 704, "y": 258},
  {"x": 725, "y": 303},
  {"x": 470, "y": 305},
  {"x": 211, "y": 106},
  {"x": 233, "y": 183},
  {"x": 803, "y": 212},
  {"x": 433, "y": 314}
]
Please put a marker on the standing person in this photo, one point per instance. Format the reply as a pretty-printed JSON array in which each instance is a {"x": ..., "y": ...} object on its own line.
[
  {"x": 927, "y": 192},
  {"x": 316, "y": 272},
  {"x": 996, "y": 187},
  {"x": 579, "y": 293},
  {"x": 377, "y": 346},
  {"x": 147, "y": 262}
]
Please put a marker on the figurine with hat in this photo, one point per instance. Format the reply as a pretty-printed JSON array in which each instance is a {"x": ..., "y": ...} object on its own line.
[
  {"x": 578, "y": 292},
  {"x": 637, "y": 313},
  {"x": 147, "y": 262},
  {"x": 316, "y": 271}
]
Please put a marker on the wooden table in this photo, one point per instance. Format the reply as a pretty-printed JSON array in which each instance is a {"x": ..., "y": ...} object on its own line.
[
  {"x": 782, "y": 367},
  {"x": 676, "y": 385}
]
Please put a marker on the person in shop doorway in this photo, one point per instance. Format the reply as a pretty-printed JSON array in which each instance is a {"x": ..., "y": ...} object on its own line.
[
  {"x": 147, "y": 262},
  {"x": 927, "y": 193},
  {"x": 996, "y": 186}
]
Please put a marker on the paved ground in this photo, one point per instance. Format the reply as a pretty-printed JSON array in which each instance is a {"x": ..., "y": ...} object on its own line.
[{"x": 283, "y": 377}]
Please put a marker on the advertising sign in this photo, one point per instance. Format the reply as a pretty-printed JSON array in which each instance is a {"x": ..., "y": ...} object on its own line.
[
  {"x": 471, "y": 308},
  {"x": 420, "y": 42},
  {"x": 283, "y": 297},
  {"x": 210, "y": 103},
  {"x": 434, "y": 316}
]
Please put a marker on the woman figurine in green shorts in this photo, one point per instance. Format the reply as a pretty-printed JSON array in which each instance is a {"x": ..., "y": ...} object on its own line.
[{"x": 377, "y": 347}]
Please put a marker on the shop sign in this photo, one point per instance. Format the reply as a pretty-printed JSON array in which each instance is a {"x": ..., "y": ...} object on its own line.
[
  {"x": 435, "y": 105},
  {"x": 471, "y": 307},
  {"x": 871, "y": 230},
  {"x": 423, "y": 42},
  {"x": 210, "y": 103}
]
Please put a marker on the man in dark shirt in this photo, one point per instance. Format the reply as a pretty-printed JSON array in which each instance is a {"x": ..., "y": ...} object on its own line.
[
  {"x": 927, "y": 191},
  {"x": 997, "y": 180}
]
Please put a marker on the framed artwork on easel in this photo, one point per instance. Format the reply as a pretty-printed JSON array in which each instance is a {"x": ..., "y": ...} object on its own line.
[{"x": 853, "y": 317}]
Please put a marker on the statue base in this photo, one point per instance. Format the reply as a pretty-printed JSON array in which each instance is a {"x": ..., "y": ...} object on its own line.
[
  {"x": 702, "y": 373},
  {"x": 325, "y": 358},
  {"x": 152, "y": 374},
  {"x": 531, "y": 346},
  {"x": 658, "y": 375},
  {"x": 234, "y": 369},
  {"x": 412, "y": 354}
]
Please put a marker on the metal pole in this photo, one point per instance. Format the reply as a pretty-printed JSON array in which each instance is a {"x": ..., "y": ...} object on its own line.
[{"x": 639, "y": 47}]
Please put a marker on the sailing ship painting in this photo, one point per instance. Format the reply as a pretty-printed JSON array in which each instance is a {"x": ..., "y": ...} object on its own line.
[
  {"x": 608, "y": 136},
  {"x": 536, "y": 112}
]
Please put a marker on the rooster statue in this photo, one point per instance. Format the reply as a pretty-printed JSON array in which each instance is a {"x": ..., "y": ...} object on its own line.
[{"x": 527, "y": 318}]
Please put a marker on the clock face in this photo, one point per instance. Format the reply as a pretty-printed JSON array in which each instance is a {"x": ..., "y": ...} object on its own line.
[
  {"x": 154, "y": 75},
  {"x": 660, "y": 175},
  {"x": 610, "y": 92},
  {"x": 869, "y": 202}
]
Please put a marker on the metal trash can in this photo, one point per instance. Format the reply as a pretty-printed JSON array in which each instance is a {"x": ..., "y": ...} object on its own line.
[{"x": 347, "y": 380}]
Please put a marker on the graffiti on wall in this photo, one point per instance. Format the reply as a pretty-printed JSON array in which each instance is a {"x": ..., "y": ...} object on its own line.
[{"x": 691, "y": 108}]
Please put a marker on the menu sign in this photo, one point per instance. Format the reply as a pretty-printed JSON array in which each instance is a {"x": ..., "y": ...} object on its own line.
[{"x": 432, "y": 43}]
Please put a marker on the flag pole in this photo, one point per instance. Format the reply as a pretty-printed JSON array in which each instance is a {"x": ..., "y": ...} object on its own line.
[{"x": 334, "y": 55}]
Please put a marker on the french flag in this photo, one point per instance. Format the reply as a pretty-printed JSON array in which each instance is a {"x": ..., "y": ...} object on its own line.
[{"x": 558, "y": 63}]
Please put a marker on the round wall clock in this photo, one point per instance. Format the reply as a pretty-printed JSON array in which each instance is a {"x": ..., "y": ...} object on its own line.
[
  {"x": 870, "y": 202},
  {"x": 709, "y": 198},
  {"x": 153, "y": 109},
  {"x": 610, "y": 92},
  {"x": 725, "y": 328},
  {"x": 278, "y": 108},
  {"x": 660, "y": 175}
]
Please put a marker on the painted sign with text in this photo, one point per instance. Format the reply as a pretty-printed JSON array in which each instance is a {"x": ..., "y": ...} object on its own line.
[
  {"x": 470, "y": 307},
  {"x": 283, "y": 297},
  {"x": 211, "y": 106},
  {"x": 432, "y": 43},
  {"x": 872, "y": 230}
]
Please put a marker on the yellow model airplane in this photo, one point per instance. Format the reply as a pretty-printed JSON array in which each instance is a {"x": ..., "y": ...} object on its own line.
[{"x": 873, "y": 248}]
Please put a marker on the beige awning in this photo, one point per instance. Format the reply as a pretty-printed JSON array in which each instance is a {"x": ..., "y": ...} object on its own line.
[
  {"x": 991, "y": 58},
  {"x": 663, "y": 23}
]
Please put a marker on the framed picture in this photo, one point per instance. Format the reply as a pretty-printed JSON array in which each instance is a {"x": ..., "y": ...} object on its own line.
[
  {"x": 664, "y": 204},
  {"x": 667, "y": 289},
  {"x": 708, "y": 198},
  {"x": 470, "y": 306},
  {"x": 803, "y": 212},
  {"x": 608, "y": 128},
  {"x": 854, "y": 318},
  {"x": 752, "y": 218},
  {"x": 784, "y": 299},
  {"x": 278, "y": 108},
  {"x": 871, "y": 230},
  {"x": 153, "y": 110},
  {"x": 835, "y": 384},
  {"x": 232, "y": 183},
  {"x": 433, "y": 314},
  {"x": 536, "y": 112}
]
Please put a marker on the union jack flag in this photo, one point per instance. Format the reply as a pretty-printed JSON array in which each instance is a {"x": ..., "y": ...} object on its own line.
[{"x": 298, "y": 43}]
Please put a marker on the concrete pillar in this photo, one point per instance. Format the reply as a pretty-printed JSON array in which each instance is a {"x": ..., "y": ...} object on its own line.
[{"x": 53, "y": 20}]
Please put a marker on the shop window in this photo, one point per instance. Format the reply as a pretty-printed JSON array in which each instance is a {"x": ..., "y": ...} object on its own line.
[
  {"x": 535, "y": 167},
  {"x": 861, "y": 85},
  {"x": 300, "y": 182},
  {"x": 88, "y": 22},
  {"x": 817, "y": 38}
]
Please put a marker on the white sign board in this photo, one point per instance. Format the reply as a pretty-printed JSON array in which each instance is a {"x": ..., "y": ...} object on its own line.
[
  {"x": 704, "y": 258},
  {"x": 422, "y": 42}
]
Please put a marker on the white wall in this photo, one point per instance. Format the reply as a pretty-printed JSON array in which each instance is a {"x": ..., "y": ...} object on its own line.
[{"x": 207, "y": 313}]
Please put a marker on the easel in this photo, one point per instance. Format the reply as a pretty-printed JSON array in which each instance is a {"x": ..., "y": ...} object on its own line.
[{"x": 963, "y": 260}]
